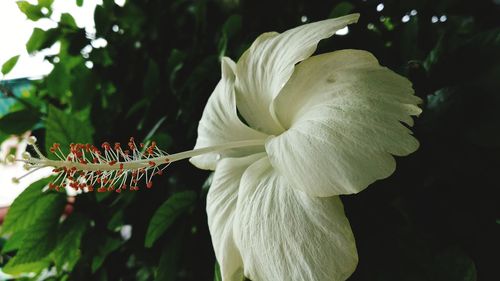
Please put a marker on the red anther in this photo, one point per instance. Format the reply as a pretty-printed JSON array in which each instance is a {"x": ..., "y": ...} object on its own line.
[
  {"x": 111, "y": 188},
  {"x": 106, "y": 145},
  {"x": 52, "y": 149},
  {"x": 121, "y": 166},
  {"x": 124, "y": 186},
  {"x": 118, "y": 190},
  {"x": 152, "y": 164},
  {"x": 90, "y": 188},
  {"x": 83, "y": 161},
  {"x": 141, "y": 145},
  {"x": 126, "y": 152},
  {"x": 69, "y": 158},
  {"x": 111, "y": 163},
  {"x": 98, "y": 180},
  {"x": 134, "y": 188},
  {"x": 117, "y": 146},
  {"x": 52, "y": 186},
  {"x": 73, "y": 169},
  {"x": 57, "y": 188},
  {"x": 95, "y": 160},
  {"x": 99, "y": 172},
  {"x": 131, "y": 143},
  {"x": 149, "y": 184},
  {"x": 101, "y": 189},
  {"x": 160, "y": 172}
]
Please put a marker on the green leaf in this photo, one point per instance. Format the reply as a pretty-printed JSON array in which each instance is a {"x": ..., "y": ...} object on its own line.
[
  {"x": 117, "y": 220},
  {"x": 175, "y": 63},
  {"x": 341, "y": 9},
  {"x": 23, "y": 212},
  {"x": 109, "y": 245},
  {"x": 41, "y": 39},
  {"x": 58, "y": 81},
  {"x": 36, "y": 247},
  {"x": 35, "y": 212},
  {"x": 9, "y": 65},
  {"x": 18, "y": 122},
  {"x": 169, "y": 259},
  {"x": 454, "y": 265},
  {"x": 15, "y": 241},
  {"x": 83, "y": 88},
  {"x": 102, "y": 19},
  {"x": 33, "y": 12},
  {"x": 230, "y": 28},
  {"x": 13, "y": 267},
  {"x": 166, "y": 214},
  {"x": 217, "y": 275},
  {"x": 151, "y": 79},
  {"x": 36, "y": 40},
  {"x": 67, "y": 251},
  {"x": 68, "y": 21},
  {"x": 64, "y": 128},
  {"x": 45, "y": 3}
]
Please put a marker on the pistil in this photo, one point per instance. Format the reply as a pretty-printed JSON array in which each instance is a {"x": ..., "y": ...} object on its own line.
[{"x": 113, "y": 168}]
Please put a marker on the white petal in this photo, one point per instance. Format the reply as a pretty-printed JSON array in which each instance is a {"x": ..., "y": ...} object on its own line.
[
  {"x": 343, "y": 111},
  {"x": 220, "y": 124},
  {"x": 264, "y": 69},
  {"x": 286, "y": 235},
  {"x": 221, "y": 205}
]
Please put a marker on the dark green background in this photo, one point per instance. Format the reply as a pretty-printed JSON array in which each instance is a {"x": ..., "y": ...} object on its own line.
[{"x": 437, "y": 218}]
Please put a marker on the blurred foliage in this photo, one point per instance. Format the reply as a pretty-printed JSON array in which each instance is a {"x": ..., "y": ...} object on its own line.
[{"x": 436, "y": 218}]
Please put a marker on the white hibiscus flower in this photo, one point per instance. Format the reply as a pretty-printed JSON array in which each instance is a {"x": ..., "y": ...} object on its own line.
[{"x": 313, "y": 128}]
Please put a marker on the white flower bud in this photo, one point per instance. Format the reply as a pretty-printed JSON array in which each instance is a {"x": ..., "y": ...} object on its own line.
[
  {"x": 27, "y": 166},
  {"x": 15, "y": 180}
]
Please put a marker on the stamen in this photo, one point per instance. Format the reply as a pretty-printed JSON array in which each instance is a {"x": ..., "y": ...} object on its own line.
[{"x": 112, "y": 169}]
